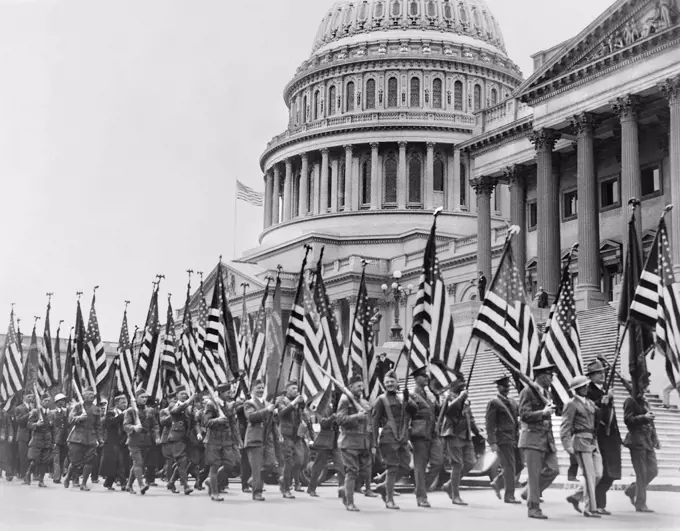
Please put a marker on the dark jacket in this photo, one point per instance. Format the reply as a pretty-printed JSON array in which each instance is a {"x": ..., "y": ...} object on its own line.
[
  {"x": 536, "y": 432},
  {"x": 641, "y": 430},
  {"x": 394, "y": 425},
  {"x": 609, "y": 441},
  {"x": 180, "y": 422},
  {"x": 289, "y": 417},
  {"x": 423, "y": 413},
  {"x": 41, "y": 436},
  {"x": 150, "y": 429},
  {"x": 355, "y": 431},
  {"x": 502, "y": 421},
  {"x": 21, "y": 413},
  {"x": 60, "y": 416},
  {"x": 221, "y": 431},
  {"x": 459, "y": 423},
  {"x": 258, "y": 419},
  {"x": 86, "y": 425},
  {"x": 327, "y": 438}
]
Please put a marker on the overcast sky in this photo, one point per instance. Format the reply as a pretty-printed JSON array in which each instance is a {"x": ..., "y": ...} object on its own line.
[{"x": 124, "y": 124}]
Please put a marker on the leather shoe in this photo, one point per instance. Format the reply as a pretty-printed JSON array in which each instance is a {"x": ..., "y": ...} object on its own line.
[
  {"x": 371, "y": 494},
  {"x": 458, "y": 501},
  {"x": 424, "y": 503},
  {"x": 352, "y": 508},
  {"x": 513, "y": 501},
  {"x": 537, "y": 514},
  {"x": 216, "y": 498},
  {"x": 643, "y": 509},
  {"x": 391, "y": 505},
  {"x": 312, "y": 493},
  {"x": 288, "y": 495},
  {"x": 496, "y": 489},
  {"x": 258, "y": 497},
  {"x": 604, "y": 512},
  {"x": 591, "y": 514},
  {"x": 246, "y": 489},
  {"x": 631, "y": 496},
  {"x": 524, "y": 495},
  {"x": 574, "y": 502}
]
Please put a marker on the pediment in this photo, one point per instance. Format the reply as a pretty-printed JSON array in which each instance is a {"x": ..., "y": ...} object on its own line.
[
  {"x": 624, "y": 30},
  {"x": 234, "y": 276}
]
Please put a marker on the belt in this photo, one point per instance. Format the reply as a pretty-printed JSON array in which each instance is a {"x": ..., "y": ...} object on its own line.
[{"x": 579, "y": 432}]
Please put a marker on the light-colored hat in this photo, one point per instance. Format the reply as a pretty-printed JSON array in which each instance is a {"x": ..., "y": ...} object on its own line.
[
  {"x": 59, "y": 396},
  {"x": 578, "y": 381}
]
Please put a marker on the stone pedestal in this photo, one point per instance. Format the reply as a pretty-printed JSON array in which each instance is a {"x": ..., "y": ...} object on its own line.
[{"x": 588, "y": 298}]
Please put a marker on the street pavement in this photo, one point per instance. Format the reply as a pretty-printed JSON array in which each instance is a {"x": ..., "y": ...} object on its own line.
[{"x": 55, "y": 508}]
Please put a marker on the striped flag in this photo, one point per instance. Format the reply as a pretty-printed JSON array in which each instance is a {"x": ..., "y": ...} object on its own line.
[
  {"x": 95, "y": 357},
  {"x": 215, "y": 357},
  {"x": 561, "y": 339},
  {"x": 244, "y": 342},
  {"x": 257, "y": 361},
  {"x": 79, "y": 348},
  {"x": 200, "y": 333},
  {"x": 274, "y": 347},
  {"x": 11, "y": 370},
  {"x": 70, "y": 370},
  {"x": 151, "y": 352},
  {"x": 657, "y": 302},
  {"x": 32, "y": 363},
  {"x": 505, "y": 321},
  {"x": 124, "y": 377},
  {"x": 45, "y": 377},
  {"x": 188, "y": 350},
  {"x": 313, "y": 382},
  {"x": 362, "y": 351},
  {"x": 169, "y": 356},
  {"x": 247, "y": 194},
  {"x": 56, "y": 360}
]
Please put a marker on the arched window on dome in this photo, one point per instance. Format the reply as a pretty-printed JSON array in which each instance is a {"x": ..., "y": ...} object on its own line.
[
  {"x": 317, "y": 105},
  {"x": 438, "y": 174},
  {"x": 392, "y": 92},
  {"x": 415, "y": 92},
  {"x": 305, "y": 109},
  {"x": 477, "y": 98},
  {"x": 463, "y": 185},
  {"x": 396, "y": 8},
  {"x": 413, "y": 8},
  {"x": 390, "y": 178},
  {"x": 458, "y": 96},
  {"x": 349, "y": 106},
  {"x": 341, "y": 185},
  {"x": 475, "y": 17},
  {"x": 331, "y": 100},
  {"x": 337, "y": 20},
  {"x": 379, "y": 10},
  {"x": 362, "y": 15},
  {"x": 489, "y": 23},
  {"x": 366, "y": 183},
  {"x": 348, "y": 14},
  {"x": 437, "y": 93},
  {"x": 494, "y": 96},
  {"x": 370, "y": 94},
  {"x": 415, "y": 180}
]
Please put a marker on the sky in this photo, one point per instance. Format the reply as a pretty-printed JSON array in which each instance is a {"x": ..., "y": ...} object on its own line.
[{"x": 125, "y": 123}]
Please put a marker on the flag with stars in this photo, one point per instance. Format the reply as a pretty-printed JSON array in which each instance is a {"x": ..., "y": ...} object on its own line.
[
  {"x": 657, "y": 302},
  {"x": 95, "y": 357},
  {"x": 313, "y": 382},
  {"x": 200, "y": 332},
  {"x": 11, "y": 370},
  {"x": 188, "y": 350},
  {"x": 124, "y": 376},
  {"x": 257, "y": 361},
  {"x": 46, "y": 378},
  {"x": 363, "y": 360},
  {"x": 149, "y": 362},
  {"x": 215, "y": 353},
  {"x": 505, "y": 321},
  {"x": 561, "y": 340},
  {"x": 169, "y": 356}
]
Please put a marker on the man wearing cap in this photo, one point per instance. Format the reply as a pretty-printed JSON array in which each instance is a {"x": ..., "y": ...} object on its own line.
[
  {"x": 424, "y": 439},
  {"x": 142, "y": 431},
  {"x": 292, "y": 447},
  {"x": 326, "y": 448},
  {"x": 578, "y": 438},
  {"x": 60, "y": 431},
  {"x": 175, "y": 450},
  {"x": 536, "y": 438},
  {"x": 355, "y": 441},
  {"x": 6, "y": 440},
  {"x": 502, "y": 428},
  {"x": 260, "y": 435},
  {"x": 115, "y": 454},
  {"x": 21, "y": 413},
  {"x": 40, "y": 446},
  {"x": 222, "y": 440},
  {"x": 457, "y": 429},
  {"x": 84, "y": 438}
]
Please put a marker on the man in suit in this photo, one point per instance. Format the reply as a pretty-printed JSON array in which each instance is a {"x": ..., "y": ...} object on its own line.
[
  {"x": 292, "y": 446},
  {"x": 40, "y": 422},
  {"x": 355, "y": 440},
  {"x": 579, "y": 438},
  {"x": 84, "y": 439},
  {"x": 481, "y": 286},
  {"x": 141, "y": 427},
  {"x": 59, "y": 449},
  {"x": 326, "y": 447},
  {"x": 259, "y": 436},
  {"x": 6, "y": 441},
  {"x": 502, "y": 429},
  {"x": 114, "y": 462},
  {"x": 642, "y": 442},
  {"x": 536, "y": 438}
]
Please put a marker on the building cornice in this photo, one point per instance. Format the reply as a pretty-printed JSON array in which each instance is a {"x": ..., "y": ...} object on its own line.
[{"x": 498, "y": 137}]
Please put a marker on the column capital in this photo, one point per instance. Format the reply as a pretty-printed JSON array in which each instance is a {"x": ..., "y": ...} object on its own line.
[
  {"x": 352, "y": 302},
  {"x": 348, "y": 148},
  {"x": 336, "y": 304},
  {"x": 583, "y": 124},
  {"x": 482, "y": 185},
  {"x": 375, "y": 145},
  {"x": 515, "y": 174},
  {"x": 626, "y": 107},
  {"x": 324, "y": 152},
  {"x": 304, "y": 156},
  {"x": 403, "y": 144},
  {"x": 670, "y": 88},
  {"x": 430, "y": 145},
  {"x": 276, "y": 169},
  {"x": 544, "y": 139}
]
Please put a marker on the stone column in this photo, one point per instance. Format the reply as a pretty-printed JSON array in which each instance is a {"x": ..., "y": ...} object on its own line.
[
  {"x": 631, "y": 186},
  {"x": 452, "y": 180},
  {"x": 671, "y": 90},
  {"x": 401, "y": 177},
  {"x": 483, "y": 188},
  {"x": 349, "y": 178},
  {"x": 337, "y": 313},
  {"x": 268, "y": 192},
  {"x": 375, "y": 188},
  {"x": 335, "y": 166},
  {"x": 548, "y": 230},
  {"x": 429, "y": 177},
  {"x": 516, "y": 179},
  {"x": 316, "y": 175},
  {"x": 288, "y": 191},
  {"x": 323, "y": 183},
  {"x": 304, "y": 191},
  {"x": 588, "y": 292},
  {"x": 276, "y": 195}
]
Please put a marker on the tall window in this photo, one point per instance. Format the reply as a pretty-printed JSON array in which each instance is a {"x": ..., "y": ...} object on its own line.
[
  {"x": 331, "y": 101},
  {"x": 438, "y": 176},
  {"x": 463, "y": 185},
  {"x": 366, "y": 182},
  {"x": 391, "y": 179},
  {"x": 370, "y": 94},
  {"x": 341, "y": 185},
  {"x": 413, "y": 8},
  {"x": 396, "y": 8},
  {"x": 497, "y": 198},
  {"x": 392, "y": 92},
  {"x": 415, "y": 92},
  {"x": 415, "y": 171},
  {"x": 317, "y": 103},
  {"x": 431, "y": 9},
  {"x": 350, "y": 96},
  {"x": 477, "y": 103},
  {"x": 448, "y": 11},
  {"x": 304, "y": 110},
  {"x": 494, "y": 96},
  {"x": 437, "y": 93},
  {"x": 458, "y": 95}
]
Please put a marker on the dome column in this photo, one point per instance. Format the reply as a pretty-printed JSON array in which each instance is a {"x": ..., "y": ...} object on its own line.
[
  {"x": 453, "y": 180},
  {"x": 276, "y": 195},
  {"x": 268, "y": 192},
  {"x": 548, "y": 230},
  {"x": 401, "y": 177},
  {"x": 483, "y": 186},
  {"x": 323, "y": 183},
  {"x": 375, "y": 180},
  {"x": 288, "y": 191},
  {"x": 671, "y": 90},
  {"x": 518, "y": 215},
  {"x": 349, "y": 177},
  {"x": 335, "y": 167},
  {"x": 303, "y": 210},
  {"x": 429, "y": 177}
]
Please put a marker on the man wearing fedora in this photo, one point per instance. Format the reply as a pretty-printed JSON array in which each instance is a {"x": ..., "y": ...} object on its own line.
[
  {"x": 578, "y": 438},
  {"x": 536, "y": 438},
  {"x": 502, "y": 428}
]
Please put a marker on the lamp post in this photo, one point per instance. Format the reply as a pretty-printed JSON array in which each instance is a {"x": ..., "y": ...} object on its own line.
[{"x": 397, "y": 291}]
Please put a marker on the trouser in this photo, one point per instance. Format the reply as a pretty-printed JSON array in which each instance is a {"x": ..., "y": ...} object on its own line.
[
  {"x": 591, "y": 465},
  {"x": 511, "y": 465},
  {"x": 572, "y": 471},
  {"x": 245, "y": 469},
  {"x": 542, "y": 468},
  {"x": 602, "y": 488},
  {"x": 59, "y": 454},
  {"x": 357, "y": 466},
  {"x": 461, "y": 455},
  {"x": 95, "y": 464},
  {"x": 176, "y": 454},
  {"x": 39, "y": 460},
  {"x": 119, "y": 470},
  {"x": 667, "y": 393},
  {"x": 7, "y": 458},
  {"x": 397, "y": 460},
  {"x": 428, "y": 461},
  {"x": 262, "y": 460},
  {"x": 646, "y": 469},
  {"x": 137, "y": 456},
  {"x": 22, "y": 454},
  {"x": 292, "y": 460},
  {"x": 322, "y": 458}
]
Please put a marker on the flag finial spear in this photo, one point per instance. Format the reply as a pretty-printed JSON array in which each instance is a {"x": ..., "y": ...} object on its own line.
[
  {"x": 127, "y": 303},
  {"x": 633, "y": 203},
  {"x": 364, "y": 263},
  {"x": 200, "y": 274},
  {"x": 78, "y": 294},
  {"x": 36, "y": 318},
  {"x": 49, "y": 297},
  {"x": 220, "y": 258},
  {"x": 169, "y": 296},
  {"x": 437, "y": 211},
  {"x": 666, "y": 210},
  {"x": 94, "y": 291},
  {"x": 72, "y": 328},
  {"x": 190, "y": 272}
]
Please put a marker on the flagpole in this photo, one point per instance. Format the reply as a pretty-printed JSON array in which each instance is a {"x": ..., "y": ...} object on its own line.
[{"x": 235, "y": 216}]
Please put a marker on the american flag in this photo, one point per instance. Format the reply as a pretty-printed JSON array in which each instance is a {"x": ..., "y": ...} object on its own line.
[
  {"x": 505, "y": 321},
  {"x": 46, "y": 377},
  {"x": 562, "y": 344},
  {"x": 169, "y": 356},
  {"x": 79, "y": 349},
  {"x": 657, "y": 302},
  {"x": 11, "y": 370},
  {"x": 149, "y": 363},
  {"x": 274, "y": 343},
  {"x": 244, "y": 339},
  {"x": 215, "y": 356},
  {"x": 257, "y": 361},
  {"x": 313, "y": 381},
  {"x": 329, "y": 326},
  {"x": 362, "y": 351},
  {"x": 56, "y": 359},
  {"x": 247, "y": 194},
  {"x": 70, "y": 370},
  {"x": 200, "y": 332},
  {"x": 32, "y": 363},
  {"x": 124, "y": 377},
  {"x": 94, "y": 352},
  {"x": 188, "y": 350}
]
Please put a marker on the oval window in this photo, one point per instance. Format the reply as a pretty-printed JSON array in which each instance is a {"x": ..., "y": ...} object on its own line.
[
  {"x": 363, "y": 12},
  {"x": 463, "y": 14},
  {"x": 348, "y": 15}
]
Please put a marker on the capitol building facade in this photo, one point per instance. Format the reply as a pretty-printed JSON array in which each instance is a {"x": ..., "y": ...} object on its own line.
[{"x": 406, "y": 106}]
